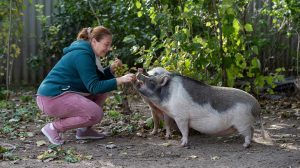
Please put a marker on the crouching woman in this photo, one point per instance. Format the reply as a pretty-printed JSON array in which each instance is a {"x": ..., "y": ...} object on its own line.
[{"x": 75, "y": 89}]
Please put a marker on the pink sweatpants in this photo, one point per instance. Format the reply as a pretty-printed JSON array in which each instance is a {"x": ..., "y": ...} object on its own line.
[{"x": 73, "y": 110}]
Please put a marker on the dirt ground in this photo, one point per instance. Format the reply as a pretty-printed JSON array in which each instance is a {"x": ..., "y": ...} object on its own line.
[{"x": 282, "y": 122}]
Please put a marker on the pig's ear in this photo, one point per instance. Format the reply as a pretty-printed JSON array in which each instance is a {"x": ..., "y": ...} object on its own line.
[{"x": 164, "y": 80}]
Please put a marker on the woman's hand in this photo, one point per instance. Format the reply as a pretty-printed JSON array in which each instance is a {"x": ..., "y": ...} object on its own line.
[
  {"x": 126, "y": 79},
  {"x": 117, "y": 63}
]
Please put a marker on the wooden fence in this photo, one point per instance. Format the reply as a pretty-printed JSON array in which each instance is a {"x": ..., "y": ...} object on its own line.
[{"x": 23, "y": 74}]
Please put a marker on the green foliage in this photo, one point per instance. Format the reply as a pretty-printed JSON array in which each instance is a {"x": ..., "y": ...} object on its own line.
[
  {"x": 204, "y": 40},
  {"x": 150, "y": 123},
  {"x": 10, "y": 34},
  {"x": 57, "y": 152},
  {"x": 3, "y": 150},
  {"x": 2, "y": 94},
  {"x": 72, "y": 15},
  {"x": 115, "y": 115},
  {"x": 6, "y": 154},
  {"x": 220, "y": 42},
  {"x": 26, "y": 98},
  {"x": 15, "y": 114}
]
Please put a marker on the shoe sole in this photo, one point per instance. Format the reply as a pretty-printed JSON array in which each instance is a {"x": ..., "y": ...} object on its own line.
[
  {"x": 47, "y": 135},
  {"x": 88, "y": 137}
]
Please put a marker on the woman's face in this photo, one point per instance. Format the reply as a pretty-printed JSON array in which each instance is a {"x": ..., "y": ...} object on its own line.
[{"x": 102, "y": 47}]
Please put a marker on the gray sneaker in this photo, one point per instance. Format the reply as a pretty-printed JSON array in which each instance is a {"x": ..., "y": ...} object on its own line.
[{"x": 88, "y": 133}]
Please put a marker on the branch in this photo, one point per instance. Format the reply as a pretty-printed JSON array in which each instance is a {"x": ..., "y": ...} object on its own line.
[
  {"x": 298, "y": 45},
  {"x": 93, "y": 11},
  {"x": 282, "y": 25},
  {"x": 8, "y": 78},
  {"x": 220, "y": 43}
]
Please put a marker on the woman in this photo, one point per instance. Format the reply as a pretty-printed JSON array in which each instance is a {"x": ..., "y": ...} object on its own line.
[{"x": 75, "y": 89}]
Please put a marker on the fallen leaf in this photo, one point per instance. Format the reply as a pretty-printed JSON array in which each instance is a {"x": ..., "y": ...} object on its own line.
[
  {"x": 48, "y": 160},
  {"x": 166, "y": 144},
  {"x": 124, "y": 153},
  {"x": 81, "y": 141},
  {"x": 89, "y": 157},
  {"x": 41, "y": 143},
  {"x": 111, "y": 146},
  {"x": 40, "y": 157},
  {"x": 193, "y": 157},
  {"x": 13, "y": 120},
  {"x": 30, "y": 134},
  {"x": 215, "y": 158}
]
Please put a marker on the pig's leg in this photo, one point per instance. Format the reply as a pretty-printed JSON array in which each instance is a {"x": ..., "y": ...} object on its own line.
[
  {"x": 155, "y": 117},
  {"x": 183, "y": 126},
  {"x": 247, "y": 133},
  {"x": 167, "y": 122}
]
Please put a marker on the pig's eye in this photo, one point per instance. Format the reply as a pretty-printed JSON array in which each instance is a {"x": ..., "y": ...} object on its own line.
[{"x": 152, "y": 82}]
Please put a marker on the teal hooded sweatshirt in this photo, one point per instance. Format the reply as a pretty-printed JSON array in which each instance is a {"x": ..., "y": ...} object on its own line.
[{"x": 77, "y": 71}]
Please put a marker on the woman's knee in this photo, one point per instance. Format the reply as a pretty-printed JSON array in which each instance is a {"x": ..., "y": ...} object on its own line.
[
  {"x": 96, "y": 115},
  {"x": 99, "y": 99}
]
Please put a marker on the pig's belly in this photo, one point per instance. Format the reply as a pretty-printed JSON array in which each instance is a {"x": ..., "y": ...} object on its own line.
[
  {"x": 212, "y": 125},
  {"x": 206, "y": 119}
]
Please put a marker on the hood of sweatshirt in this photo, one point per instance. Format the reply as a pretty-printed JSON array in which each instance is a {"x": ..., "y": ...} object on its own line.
[{"x": 79, "y": 45}]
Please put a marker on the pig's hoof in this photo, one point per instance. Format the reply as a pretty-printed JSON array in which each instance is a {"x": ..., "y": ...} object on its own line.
[
  {"x": 183, "y": 144},
  {"x": 187, "y": 147},
  {"x": 153, "y": 132},
  {"x": 168, "y": 136},
  {"x": 246, "y": 145}
]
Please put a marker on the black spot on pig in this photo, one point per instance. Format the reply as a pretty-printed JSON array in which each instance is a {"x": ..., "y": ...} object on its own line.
[{"x": 205, "y": 94}]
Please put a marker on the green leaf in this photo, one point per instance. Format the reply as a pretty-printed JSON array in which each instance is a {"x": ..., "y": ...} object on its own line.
[
  {"x": 208, "y": 24},
  {"x": 259, "y": 81},
  {"x": 186, "y": 9},
  {"x": 278, "y": 70},
  {"x": 140, "y": 14},
  {"x": 248, "y": 27},
  {"x": 3, "y": 150},
  {"x": 138, "y": 4},
  {"x": 71, "y": 159},
  {"x": 236, "y": 25},
  {"x": 269, "y": 79},
  {"x": 255, "y": 63},
  {"x": 255, "y": 49},
  {"x": 230, "y": 78},
  {"x": 129, "y": 39},
  {"x": 240, "y": 61},
  {"x": 228, "y": 30},
  {"x": 149, "y": 122}
]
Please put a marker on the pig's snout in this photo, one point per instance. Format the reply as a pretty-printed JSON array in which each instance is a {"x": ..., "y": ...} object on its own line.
[
  {"x": 139, "y": 83},
  {"x": 140, "y": 78}
]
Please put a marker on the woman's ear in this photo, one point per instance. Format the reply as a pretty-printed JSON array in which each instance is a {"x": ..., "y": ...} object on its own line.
[{"x": 93, "y": 41}]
